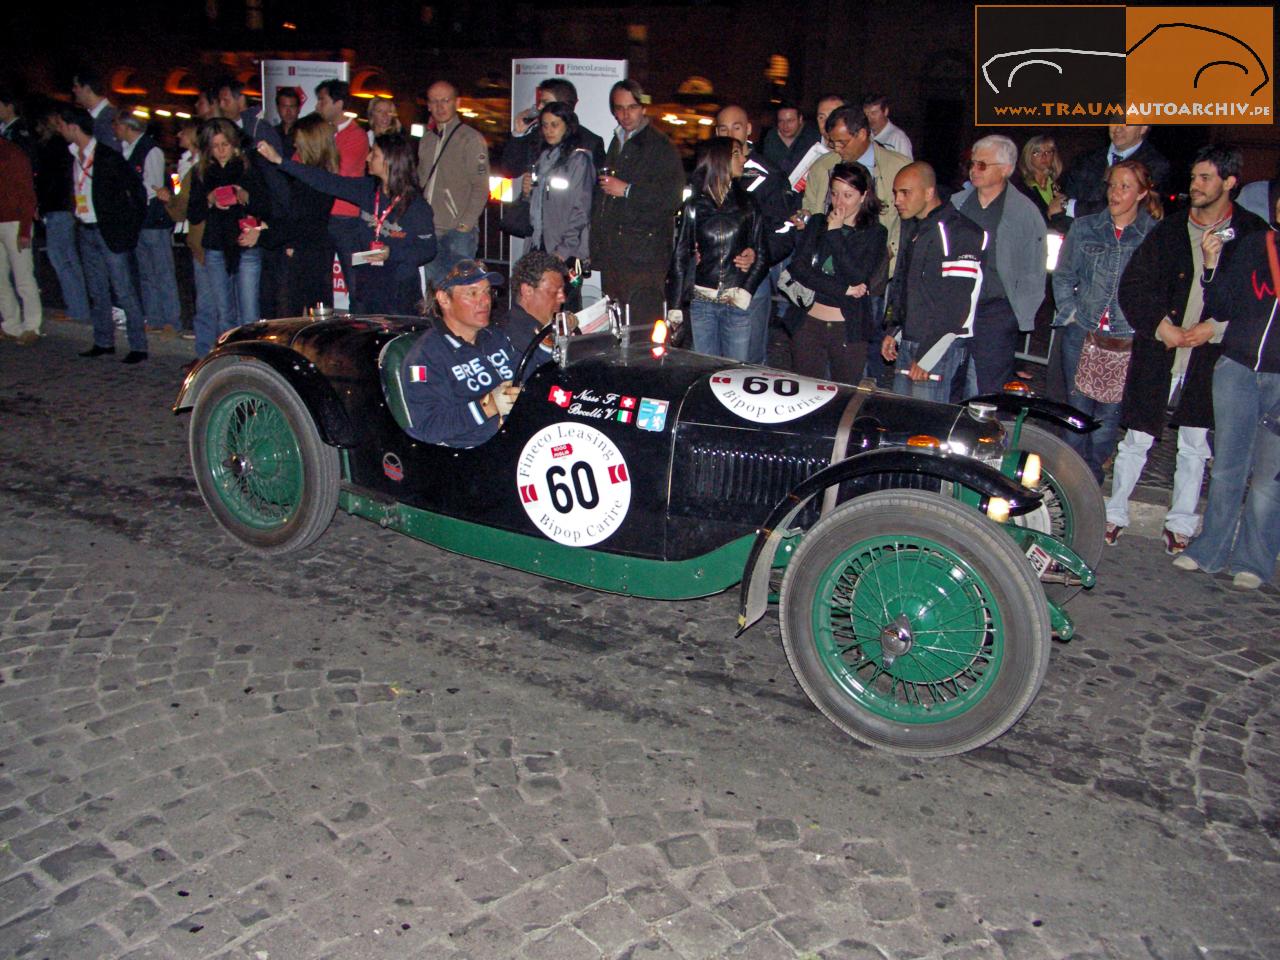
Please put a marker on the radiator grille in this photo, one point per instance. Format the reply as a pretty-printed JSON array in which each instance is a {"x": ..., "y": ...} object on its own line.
[{"x": 746, "y": 477}]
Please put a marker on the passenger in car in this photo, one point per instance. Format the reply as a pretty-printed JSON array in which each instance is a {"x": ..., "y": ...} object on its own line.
[
  {"x": 539, "y": 281},
  {"x": 457, "y": 377}
]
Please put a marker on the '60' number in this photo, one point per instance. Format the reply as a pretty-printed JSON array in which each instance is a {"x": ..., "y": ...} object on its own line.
[
  {"x": 782, "y": 386},
  {"x": 583, "y": 488}
]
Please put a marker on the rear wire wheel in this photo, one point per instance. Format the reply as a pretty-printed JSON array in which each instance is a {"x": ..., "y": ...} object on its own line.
[
  {"x": 259, "y": 462},
  {"x": 914, "y": 624}
]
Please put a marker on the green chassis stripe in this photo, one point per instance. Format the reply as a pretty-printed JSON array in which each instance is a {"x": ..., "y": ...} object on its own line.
[{"x": 658, "y": 579}]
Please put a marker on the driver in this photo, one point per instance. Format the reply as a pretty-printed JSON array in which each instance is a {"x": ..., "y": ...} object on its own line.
[{"x": 457, "y": 377}]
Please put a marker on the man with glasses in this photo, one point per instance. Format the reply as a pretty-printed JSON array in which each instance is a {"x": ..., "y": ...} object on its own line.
[
  {"x": 457, "y": 377},
  {"x": 1014, "y": 264},
  {"x": 633, "y": 213}
]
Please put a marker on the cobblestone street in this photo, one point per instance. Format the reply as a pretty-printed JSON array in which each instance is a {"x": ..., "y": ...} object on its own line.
[{"x": 375, "y": 749}]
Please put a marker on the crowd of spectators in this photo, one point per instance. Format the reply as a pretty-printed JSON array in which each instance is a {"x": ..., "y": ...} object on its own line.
[{"x": 826, "y": 234}]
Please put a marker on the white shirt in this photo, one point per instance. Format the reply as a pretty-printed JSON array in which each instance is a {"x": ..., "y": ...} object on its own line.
[
  {"x": 82, "y": 181},
  {"x": 894, "y": 138},
  {"x": 152, "y": 167}
]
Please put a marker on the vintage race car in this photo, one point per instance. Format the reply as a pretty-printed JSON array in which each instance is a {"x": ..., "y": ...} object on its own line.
[{"x": 912, "y": 620}]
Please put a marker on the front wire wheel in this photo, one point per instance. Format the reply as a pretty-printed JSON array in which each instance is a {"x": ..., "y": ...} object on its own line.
[
  {"x": 1071, "y": 509},
  {"x": 914, "y": 625}
]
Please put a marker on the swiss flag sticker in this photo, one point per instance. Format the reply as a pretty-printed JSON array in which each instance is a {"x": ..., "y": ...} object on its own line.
[
  {"x": 618, "y": 473},
  {"x": 627, "y": 403},
  {"x": 560, "y": 396},
  {"x": 528, "y": 493}
]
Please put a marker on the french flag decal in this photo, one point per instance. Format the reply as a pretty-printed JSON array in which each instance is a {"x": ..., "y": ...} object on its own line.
[
  {"x": 528, "y": 493},
  {"x": 618, "y": 473}
]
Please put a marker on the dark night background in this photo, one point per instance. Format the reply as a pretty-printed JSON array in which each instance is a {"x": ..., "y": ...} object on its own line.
[{"x": 920, "y": 54}]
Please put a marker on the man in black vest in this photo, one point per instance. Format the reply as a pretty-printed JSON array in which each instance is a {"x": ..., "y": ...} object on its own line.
[
  {"x": 110, "y": 204},
  {"x": 155, "y": 241}
]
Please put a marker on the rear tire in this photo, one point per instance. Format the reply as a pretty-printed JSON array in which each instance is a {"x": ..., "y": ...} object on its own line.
[
  {"x": 259, "y": 462},
  {"x": 915, "y": 624}
]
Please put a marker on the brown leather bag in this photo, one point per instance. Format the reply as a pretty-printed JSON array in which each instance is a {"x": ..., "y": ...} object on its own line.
[{"x": 1103, "y": 366}]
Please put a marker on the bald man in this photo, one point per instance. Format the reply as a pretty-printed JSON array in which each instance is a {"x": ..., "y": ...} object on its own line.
[
  {"x": 453, "y": 171},
  {"x": 771, "y": 192},
  {"x": 934, "y": 291}
]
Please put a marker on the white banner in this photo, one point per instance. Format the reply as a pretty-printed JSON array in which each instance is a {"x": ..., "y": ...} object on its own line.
[
  {"x": 299, "y": 75},
  {"x": 591, "y": 78}
]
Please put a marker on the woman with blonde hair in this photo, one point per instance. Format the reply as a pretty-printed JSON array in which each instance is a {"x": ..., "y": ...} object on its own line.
[
  {"x": 230, "y": 197},
  {"x": 1039, "y": 172},
  {"x": 307, "y": 247},
  {"x": 1097, "y": 340},
  {"x": 383, "y": 118}
]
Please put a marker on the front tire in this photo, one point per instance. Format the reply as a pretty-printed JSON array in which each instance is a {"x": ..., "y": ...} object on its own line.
[
  {"x": 915, "y": 624},
  {"x": 259, "y": 462},
  {"x": 1072, "y": 509}
]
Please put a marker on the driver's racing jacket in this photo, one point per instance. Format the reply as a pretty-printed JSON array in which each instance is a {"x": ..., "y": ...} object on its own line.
[
  {"x": 444, "y": 380},
  {"x": 934, "y": 292}
]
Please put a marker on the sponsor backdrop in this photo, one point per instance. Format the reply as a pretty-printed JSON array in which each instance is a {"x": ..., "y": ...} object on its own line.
[{"x": 302, "y": 75}]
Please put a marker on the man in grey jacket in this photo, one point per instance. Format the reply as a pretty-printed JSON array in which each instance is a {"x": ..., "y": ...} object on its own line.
[
  {"x": 453, "y": 171},
  {"x": 1013, "y": 276}
]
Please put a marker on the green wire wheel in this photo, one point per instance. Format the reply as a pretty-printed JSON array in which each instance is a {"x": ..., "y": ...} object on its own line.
[{"x": 915, "y": 624}]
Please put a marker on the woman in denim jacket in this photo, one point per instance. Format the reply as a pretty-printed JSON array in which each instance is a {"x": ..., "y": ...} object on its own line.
[{"x": 1085, "y": 286}]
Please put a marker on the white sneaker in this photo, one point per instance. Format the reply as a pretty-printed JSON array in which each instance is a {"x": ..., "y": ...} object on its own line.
[
  {"x": 1183, "y": 562},
  {"x": 1244, "y": 580}
]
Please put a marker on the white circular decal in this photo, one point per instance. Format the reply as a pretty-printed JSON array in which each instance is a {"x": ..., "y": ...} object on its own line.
[
  {"x": 574, "y": 484},
  {"x": 767, "y": 397}
]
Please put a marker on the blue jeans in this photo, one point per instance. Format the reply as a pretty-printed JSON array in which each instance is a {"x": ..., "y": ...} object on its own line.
[
  {"x": 60, "y": 244},
  {"x": 1242, "y": 532},
  {"x": 107, "y": 273},
  {"x": 159, "y": 283},
  {"x": 452, "y": 246},
  {"x": 938, "y": 390},
  {"x": 1094, "y": 448},
  {"x": 720, "y": 329},
  {"x": 204, "y": 322},
  {"x": 235, "y": 295},
  {"x": 760, "y": 310}
]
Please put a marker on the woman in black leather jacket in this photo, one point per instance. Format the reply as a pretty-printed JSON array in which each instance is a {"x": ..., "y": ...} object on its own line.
[
  {"x": 844, "y": 259},
  {"x": 718, "y": 223}
]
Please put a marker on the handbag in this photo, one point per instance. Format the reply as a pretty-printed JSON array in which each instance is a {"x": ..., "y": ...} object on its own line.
[
  {"x": 517, "y": 219},
  {"x": 1103, "y": 366},
  {"x": 795, "y": 291}
]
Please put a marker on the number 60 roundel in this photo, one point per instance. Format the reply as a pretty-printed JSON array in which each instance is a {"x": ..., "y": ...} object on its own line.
[{"x": 574, "y": 484}]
